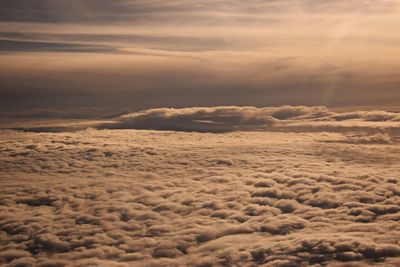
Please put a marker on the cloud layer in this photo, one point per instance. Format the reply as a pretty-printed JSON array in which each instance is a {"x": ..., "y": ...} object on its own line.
[{"x": 162, "y": 198}]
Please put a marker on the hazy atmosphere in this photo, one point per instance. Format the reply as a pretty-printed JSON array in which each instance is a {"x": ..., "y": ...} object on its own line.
[
  {"x": 137, "y": 54},
  {"x": 199, "y": 133}
]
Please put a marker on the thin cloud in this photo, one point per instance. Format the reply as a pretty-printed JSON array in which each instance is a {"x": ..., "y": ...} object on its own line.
[{"x": 33, "y": 46}]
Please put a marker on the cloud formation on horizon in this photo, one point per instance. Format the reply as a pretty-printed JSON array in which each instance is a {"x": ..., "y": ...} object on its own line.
[
  {"x": 234, "y": 118},
  {"x": 216, "y": 119},
  {"x": 219, "y": 119}
]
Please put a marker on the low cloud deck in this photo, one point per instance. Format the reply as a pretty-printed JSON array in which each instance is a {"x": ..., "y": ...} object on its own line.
[{"x": 138, "y": 197}]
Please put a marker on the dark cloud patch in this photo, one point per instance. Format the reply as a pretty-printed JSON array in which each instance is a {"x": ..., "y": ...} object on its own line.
[
  {"x": 90, "y": 11},
  {"x": 78, "y": 113},
  {"x": 172, "y": 43},
  {"x": 178, "y": 80},
  {"x": 125, "y": 11},
  {"x": 288, "y": 112},
  {"x": 33, "y": 46},
  {"x": 59, "y": 10}
]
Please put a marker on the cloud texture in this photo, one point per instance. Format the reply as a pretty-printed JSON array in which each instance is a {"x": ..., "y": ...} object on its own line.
[{"x": 163, "y": 198}]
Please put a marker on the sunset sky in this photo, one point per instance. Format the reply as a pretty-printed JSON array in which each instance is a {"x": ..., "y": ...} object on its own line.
[
  {"x": 199, "y": 133},
  {"x": 137, "y": 54}
]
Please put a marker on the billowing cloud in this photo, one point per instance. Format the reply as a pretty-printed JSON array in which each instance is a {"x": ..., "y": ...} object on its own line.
[
  {"x": 359, "y": 126},
  {"x": 234, "y": 118},
  {"x": 368, "y": 116},
  {"x": 218, "y": 119}
]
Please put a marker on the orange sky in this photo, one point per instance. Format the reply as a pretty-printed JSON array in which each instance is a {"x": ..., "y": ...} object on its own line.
[{"x": 142, "y": 54}]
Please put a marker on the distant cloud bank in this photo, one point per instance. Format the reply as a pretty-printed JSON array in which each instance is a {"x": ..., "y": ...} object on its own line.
[
  {"x": 232, "y": 118},
  {"x": 217, "y": 119}
]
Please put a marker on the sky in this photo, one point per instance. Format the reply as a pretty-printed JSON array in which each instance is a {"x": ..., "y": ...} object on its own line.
[
  {"x": 199, "y": 133},
  {"x": 138, "y": 54}
]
